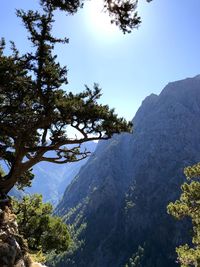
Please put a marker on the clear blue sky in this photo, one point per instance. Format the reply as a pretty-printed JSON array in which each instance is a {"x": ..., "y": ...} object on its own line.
[{"x": 165, "y": 48}]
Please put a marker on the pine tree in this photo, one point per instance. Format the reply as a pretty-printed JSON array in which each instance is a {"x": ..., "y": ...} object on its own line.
[
  {"x": 123, "y": 13},
  {"x": 42, "y": 231},
  {"x": 36, "y": 112},
  {"x": 188, "y": 206}
]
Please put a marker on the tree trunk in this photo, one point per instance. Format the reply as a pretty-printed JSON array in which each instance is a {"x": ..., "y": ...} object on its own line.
[{"x": 8, "y": 182}]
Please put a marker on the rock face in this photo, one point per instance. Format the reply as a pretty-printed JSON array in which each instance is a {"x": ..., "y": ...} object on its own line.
[
  {"x": 13, "y": 249},
  {"x": 120, "y": 195}
]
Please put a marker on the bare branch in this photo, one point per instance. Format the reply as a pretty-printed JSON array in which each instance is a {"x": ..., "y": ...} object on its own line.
[
  {"x": 44, "y": 136},
  {"x": 53, "y": 160}
]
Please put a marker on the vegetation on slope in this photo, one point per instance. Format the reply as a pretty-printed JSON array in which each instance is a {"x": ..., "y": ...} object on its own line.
[
  {"x": 188, "y": 206},
  {"x": 44, "y": 232}
]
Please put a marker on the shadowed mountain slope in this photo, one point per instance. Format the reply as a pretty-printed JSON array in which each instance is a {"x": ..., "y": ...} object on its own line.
[{"x": 121, "y": 193}]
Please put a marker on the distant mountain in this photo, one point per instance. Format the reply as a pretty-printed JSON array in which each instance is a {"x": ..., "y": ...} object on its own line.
[
  {"x": 119, "y": 196},
  {"x": 52, "y": 179}
]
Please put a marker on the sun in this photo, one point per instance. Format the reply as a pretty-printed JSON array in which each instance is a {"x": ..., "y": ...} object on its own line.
[{"x": 99, "y": 21}]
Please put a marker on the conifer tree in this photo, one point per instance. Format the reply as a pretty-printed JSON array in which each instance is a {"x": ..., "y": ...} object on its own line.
[
  {"x": 39, "y": 227},
  {"x": 36, "y": 112},
  {"x": 188, "y": 206}
]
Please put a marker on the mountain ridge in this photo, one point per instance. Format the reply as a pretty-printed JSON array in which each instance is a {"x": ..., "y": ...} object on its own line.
[{"x": 123, "y": 190}]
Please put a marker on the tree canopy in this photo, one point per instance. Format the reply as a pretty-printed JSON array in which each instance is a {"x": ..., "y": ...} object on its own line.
[
  {"x": 123, "y": 13},
  {"x": 42, "y": 231},
  {"x": 188, "y": 206},
  {"x": 36, "y": 113}
]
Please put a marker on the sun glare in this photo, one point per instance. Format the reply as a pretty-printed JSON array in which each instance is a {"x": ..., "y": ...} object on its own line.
[{"x": 99, "y": 21}]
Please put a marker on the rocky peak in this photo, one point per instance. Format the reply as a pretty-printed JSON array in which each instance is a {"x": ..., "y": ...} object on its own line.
[{"x": 122, "y": 192}]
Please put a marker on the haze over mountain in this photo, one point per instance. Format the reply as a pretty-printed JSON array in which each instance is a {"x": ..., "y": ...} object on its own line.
[
  {"x": 52, "y": 179},
  {"x": 120, "y": 195}
]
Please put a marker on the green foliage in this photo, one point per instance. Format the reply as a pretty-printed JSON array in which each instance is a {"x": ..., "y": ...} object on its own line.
[
  {"x": 25, "y": 179},
  {"x": 122, "y": 12},
  {"x": 42, "y": 230},
  {"x": 38, "y": 256},
  {"x": 189, "y": 206},
  {"x": 129, "y": 203},
  {"x": 36, "y": 113},
  {"x": 136, "y": 259},
  {"x": 76, "y": 214}
]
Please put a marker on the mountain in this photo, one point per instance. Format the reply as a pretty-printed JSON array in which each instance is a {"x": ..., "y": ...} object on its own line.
[
  {"x": 51, "y": 180},
  {"x": 118, "y": 200}
]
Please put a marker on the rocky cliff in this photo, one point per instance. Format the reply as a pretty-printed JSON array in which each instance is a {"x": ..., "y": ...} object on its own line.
[
  {"x": 13, "y": 248},
  {"x": 121, "y": 194}
]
